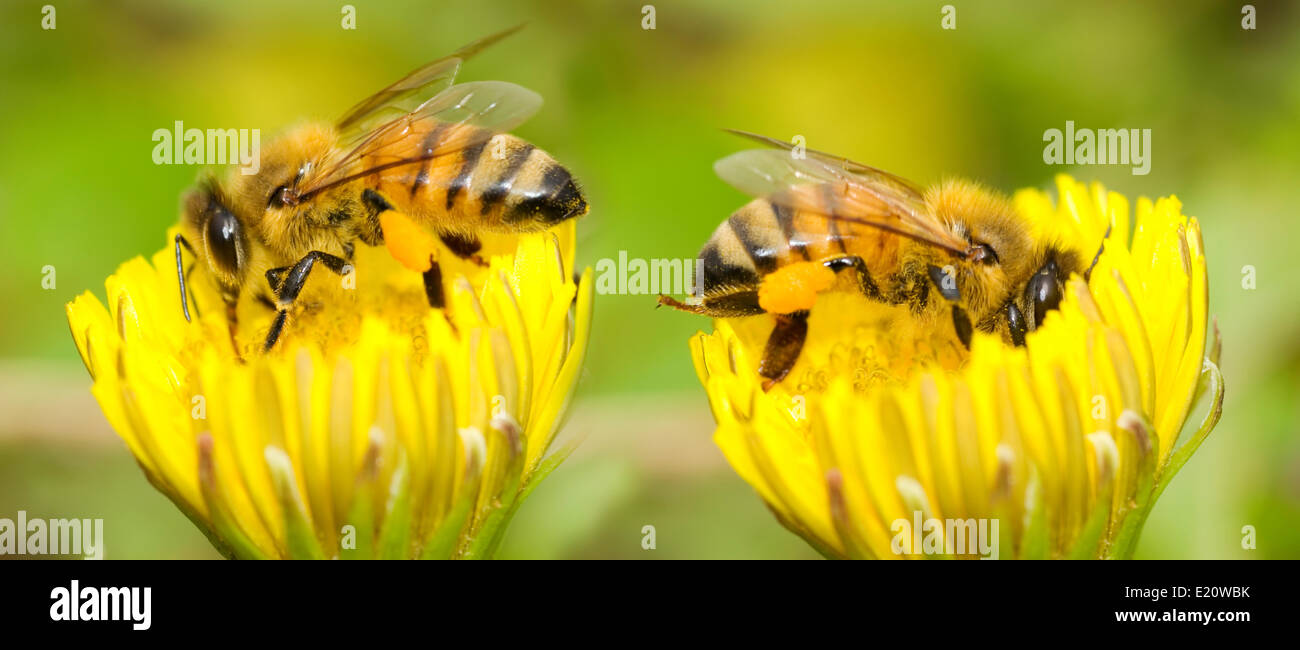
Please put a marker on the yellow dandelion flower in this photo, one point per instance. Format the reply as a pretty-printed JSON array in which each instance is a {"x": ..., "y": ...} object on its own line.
[
  {"x": 377, "y": 428},
  {"x": 1065, "y": 443}
]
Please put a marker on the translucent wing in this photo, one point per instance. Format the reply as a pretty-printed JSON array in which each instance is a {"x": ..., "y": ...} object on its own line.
[
  {"x": 463, "y": 115},
  {"x": 406, "y": 93},
  {"x": 864, "y": 195},
  {"x": 901, "y": 184}
]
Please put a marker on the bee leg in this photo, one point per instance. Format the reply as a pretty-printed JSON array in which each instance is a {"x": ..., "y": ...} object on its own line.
[
  {"x": 961, "y": 323},
  {"x": 720, "y": 305},
  {"x": 465, "y": 247},
  {"x": 866, "y": 285},
  {"x": 291, "y": 285},
  {"x": 407, "y": 241},
  {"x": 433, "y": 285},
  {"x": 275, "y": 277},
  {"x": 434, "y": 292},
  {"x": 670, "y": 301},
  {"x": 783, "y": 347},
  {"x": 1016, "y": 324}
]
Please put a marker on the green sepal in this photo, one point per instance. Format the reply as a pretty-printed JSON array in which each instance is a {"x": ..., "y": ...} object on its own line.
[
  {"x": 1209, "y": 373},
  {"x": 1034, "y": 544},
  {"x": 1087, "y": 543},
  {"x": 1126, "y": 542},
  {"x": 395, "y": 536},
  {"x": 446, "y": 538},
  {"x": 220, "y": 527},
  {"x": 361, "y": 517},
  {"x": 300, "y": 537},
  {"x": 497, "y": 517}
]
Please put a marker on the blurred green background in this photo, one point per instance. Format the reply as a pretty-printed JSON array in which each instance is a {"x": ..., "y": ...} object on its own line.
[{"x": 636, "y": 114}]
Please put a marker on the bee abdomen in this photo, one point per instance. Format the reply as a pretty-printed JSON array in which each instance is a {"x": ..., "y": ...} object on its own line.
[
  {"x": 500, "y": 179},
  {"x": 505, "y": 183},
  {"x": 499, "y": 182},
  {"x": 759, "y": 233},
  {"x": 532, "y": 191},
  {"x": 723, "y": 273},
  {"x": 740, "y": 252}
]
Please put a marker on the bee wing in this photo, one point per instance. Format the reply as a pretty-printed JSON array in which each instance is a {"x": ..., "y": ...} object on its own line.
[
  {"x": 403, "y": 95},
  {"x": 470, "y": 113},
  {"x": 862, "y": 196},
  {"x": 848, "y": 166}
]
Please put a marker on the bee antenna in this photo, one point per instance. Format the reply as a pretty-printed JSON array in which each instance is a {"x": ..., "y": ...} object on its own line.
[{"x": 180, "y": 276}]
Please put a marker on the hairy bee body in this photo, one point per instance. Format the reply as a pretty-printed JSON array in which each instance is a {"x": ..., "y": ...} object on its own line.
[
  {"x": 766, "y": 235},
  {"x": 423, "y": 183},
  {"x": 953, "y": 259},
  {"x": 501, "y": 184}
]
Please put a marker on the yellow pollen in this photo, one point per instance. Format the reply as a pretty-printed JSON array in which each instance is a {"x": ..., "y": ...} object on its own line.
[
  {"x": 793, "y": 287},
  {"x": 410, "y": 244}
]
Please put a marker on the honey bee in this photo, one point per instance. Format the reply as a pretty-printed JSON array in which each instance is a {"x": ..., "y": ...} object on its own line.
[
  {"x": 955, "y": 255},
  {"x": 422, "y": 166}
]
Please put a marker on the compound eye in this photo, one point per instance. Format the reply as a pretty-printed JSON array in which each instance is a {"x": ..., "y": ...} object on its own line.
[
  {"x": 1044, "y": 290},
  {"x": 223, "y": 238}
]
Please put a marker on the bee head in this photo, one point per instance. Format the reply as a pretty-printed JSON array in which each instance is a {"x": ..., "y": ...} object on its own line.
[
  {"x": 959, "y": 277},
  {"x": 1044, "y": 290},
  {"x": 286, "y": 165},
  {"x": 221, "y": 236}
]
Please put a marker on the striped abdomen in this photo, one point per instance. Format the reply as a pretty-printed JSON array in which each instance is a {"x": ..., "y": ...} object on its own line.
[
  {"x": 498, "y": 183},
  {"x": 767, "y": 234}
]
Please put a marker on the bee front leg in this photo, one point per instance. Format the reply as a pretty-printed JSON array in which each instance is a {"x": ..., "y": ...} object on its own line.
[
  {"x": 291, "y": 285},
  {"x": 275, "y": 278},
  {"x": 783, "y": 347}
]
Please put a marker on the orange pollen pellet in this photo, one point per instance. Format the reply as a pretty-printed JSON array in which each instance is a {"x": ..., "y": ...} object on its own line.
[
  {"x": 793, "y": 287},
  {"x": 407, "y": 241}
]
